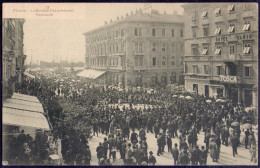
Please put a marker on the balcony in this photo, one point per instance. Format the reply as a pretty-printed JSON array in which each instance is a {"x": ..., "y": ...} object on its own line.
[
  {"x": 232, "y": 16},
  {"x": 231, "y": 57},
  {"x": 218, "y": 19},
  {"x": 204, "y": 40},
  {"x": 139, "y": 68},
  {"x": 221, "y": 39},
  {"x": 247, "y": 13},
  {"x": 232, "y": 38},
  {"x": 205, "y": 21},
  {"x": 246, "y": 36}
]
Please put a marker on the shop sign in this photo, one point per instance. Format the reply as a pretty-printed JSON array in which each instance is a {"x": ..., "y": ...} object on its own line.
[{"x": 228, "y": 79}]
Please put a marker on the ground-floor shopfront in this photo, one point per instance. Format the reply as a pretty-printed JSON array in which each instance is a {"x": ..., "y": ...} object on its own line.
[{"x": 245, "y": 94}]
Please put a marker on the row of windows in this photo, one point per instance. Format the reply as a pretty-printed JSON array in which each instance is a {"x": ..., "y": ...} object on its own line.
[
  {"x": 138, "y": 32},
  {"x": 219, "y": 71},
  {"x": 218, "y": 11},
  {"x": 247, "y": 49},
  {"x": 107, "y": 49},
  {"x": 106, "y": 61},
  {"x": 107, "y": 36},
  {"x": 231, "y": 29}
]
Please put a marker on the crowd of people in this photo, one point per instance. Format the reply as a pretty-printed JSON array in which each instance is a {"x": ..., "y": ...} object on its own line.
[{"x": 171, "y": 115}]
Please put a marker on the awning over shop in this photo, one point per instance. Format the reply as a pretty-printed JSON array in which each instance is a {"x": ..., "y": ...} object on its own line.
[
  {"x": 29, "y": 75},
  {"x": 26, "y": 107},
  {"x": 24, "y": 118},
  {"x": 90, "y": 73},
  {"x": 25, "y": 97},
  {"x": 24, "y": 102}
]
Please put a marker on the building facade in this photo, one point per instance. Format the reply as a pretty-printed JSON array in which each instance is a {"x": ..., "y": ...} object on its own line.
[
  {"x": 12, "y": 55},
  {"x": 221, "y": 50},
  {"x": 142, "y": 49}
]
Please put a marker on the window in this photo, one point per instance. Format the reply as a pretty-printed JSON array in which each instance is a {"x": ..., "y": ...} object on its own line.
[
  {"x": 136, "y": 60},
  {"x": 205, "y": 30},
  {"x": 205, "y": 14},
  {"x": 116, "y": 33},
  {"x": 194, "y": 33},
  {"x": 181, "y": 33},
  {"x": 247, "y": 7},
  {"x": 154, "y": 47},
  {"x": 194, "y": 50},
  {"x": 153, "y": 32},
  {"x": 218, "y": 30},
  {"x": 194, "y": 14},
  {"x": 247, "y": 49},
  {"x": 247, "y": 71},
  {"x": 218, "y": 11},
  {"x": 194, "y": 69},
  {"x": 231, "y": 28},
  {"x": 140, "y": 31},
  {"x": 205, "y": 50},
  {"x": 232, "y": 49},
  {"x": 231, "y": 8},
  {"x": 218, "y": 50},
  {"x": 122, "y": 32},
  {"x": 163, "y": 47},
  {"x": 172, "y": 32},
  {"x": 163, "y": 32},
  {"x": 172, "y": 62},
  {"x": 206, "y": 69},
  {"x": 154, "y": 61},
  {"x": 136, "y": 47},
  {"x": 140, "y": 47},
  {"x": 136, "y": 32},
  {"x": 218, "y": 70},
  {"x": 163, "y": 61},
  {"x": 141, "y": 60},
  {"x": 246, "y": 27}
]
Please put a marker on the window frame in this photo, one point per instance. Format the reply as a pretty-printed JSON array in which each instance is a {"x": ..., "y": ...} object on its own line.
[{"x": 249, "y": 71}]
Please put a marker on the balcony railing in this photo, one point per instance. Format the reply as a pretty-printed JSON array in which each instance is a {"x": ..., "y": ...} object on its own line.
[
  {"x": 247, "y": 13},
  {"x": 218, "y": 19},
  {"x": 231, "y": 57},
  {"x": 232, "y": 16}
]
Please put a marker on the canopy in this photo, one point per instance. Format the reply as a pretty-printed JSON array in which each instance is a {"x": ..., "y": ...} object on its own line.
[
  {"x": 24, "y": 102},
  {"x": 26, "y": 107},
  {"x": 24, "y": 118},
  {"x": 90, "y": 73},
  {"x": 25, "y": 97},
  {"x": 29, "y": 75}
]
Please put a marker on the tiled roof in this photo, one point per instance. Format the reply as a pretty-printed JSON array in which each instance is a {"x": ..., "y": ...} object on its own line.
[{"x": 144, "y": 17}]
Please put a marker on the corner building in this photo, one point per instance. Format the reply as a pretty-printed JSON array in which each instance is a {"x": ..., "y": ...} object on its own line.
[
  {"x": 141, "y": 49},
  {"x": 221, "y": 50}
]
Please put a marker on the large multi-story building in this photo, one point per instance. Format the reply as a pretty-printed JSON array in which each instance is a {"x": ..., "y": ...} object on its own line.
[
  {"x": 221, "y": 50},
  {"x": 12, "y": 55},
  {"x": 143, "y": 49}
]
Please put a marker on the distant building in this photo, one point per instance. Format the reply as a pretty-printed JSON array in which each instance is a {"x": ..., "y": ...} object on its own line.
[
  {"x": 221, "y": 50},
  {"x": 144, "y": 49},
  {"x": 12, "y": 55}
]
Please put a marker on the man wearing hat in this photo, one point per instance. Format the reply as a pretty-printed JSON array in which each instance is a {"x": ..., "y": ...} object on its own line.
[
  {"x": 184, "y": 157},
  {"x": 175, "y": 153},
  {"x": 151, "y": 160}
]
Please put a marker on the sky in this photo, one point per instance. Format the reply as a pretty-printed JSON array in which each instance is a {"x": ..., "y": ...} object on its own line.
[{"x": 63, "y": 39}]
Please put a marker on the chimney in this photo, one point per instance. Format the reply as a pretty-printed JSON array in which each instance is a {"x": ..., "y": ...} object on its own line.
[
  {"x": 141, "y": 11},
  {"x": 117, "y": 18},
  {"x": 111, "y": 20},
  {"x": 105, "y": 22},
  {"x": 126, "y": 15},
  {"x": 122, "y": 17}
]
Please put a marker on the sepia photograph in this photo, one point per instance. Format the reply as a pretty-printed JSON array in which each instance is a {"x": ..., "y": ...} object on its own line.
[{"x": 130, "y": 84}]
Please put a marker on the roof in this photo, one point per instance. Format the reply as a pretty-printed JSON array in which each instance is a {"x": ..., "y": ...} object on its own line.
[{"x": 145, "y": 17}]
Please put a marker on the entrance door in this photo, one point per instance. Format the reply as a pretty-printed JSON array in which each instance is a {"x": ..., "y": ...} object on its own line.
[
  {"x": 234, "y": 96},
  {"x": 207, "y": 90},
  {"x": 195, "y": 88},
  {"x": 220, "y": 92},
  {"x": 248, "y": 98}
]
